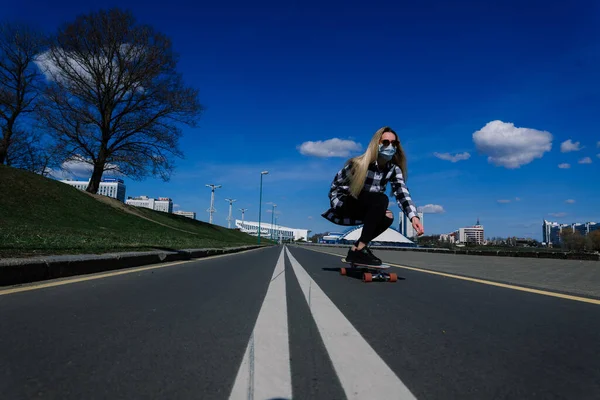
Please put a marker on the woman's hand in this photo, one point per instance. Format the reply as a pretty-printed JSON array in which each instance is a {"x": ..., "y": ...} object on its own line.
[{"x": 416, "y": 223}]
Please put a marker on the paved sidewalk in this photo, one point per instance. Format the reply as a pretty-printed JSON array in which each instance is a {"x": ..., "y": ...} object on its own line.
[
  {"x": 565, "y": 276},
  {"x": 15, "y": 271}
]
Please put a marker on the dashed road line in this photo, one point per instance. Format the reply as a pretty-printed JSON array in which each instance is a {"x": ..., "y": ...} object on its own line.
[
  {"x": 362, "y": 373},
  {"x": 265, "y": 371}
]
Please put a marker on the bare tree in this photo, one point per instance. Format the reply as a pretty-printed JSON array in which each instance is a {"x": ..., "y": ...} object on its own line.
[
  {"x": 19, "y": 87},
  {"x": 114, "y": 98},
  {"x": 31, "y": 153}
]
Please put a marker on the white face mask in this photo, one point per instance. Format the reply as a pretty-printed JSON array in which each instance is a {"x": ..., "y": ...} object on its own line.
[{"x": 387, "y": 152}]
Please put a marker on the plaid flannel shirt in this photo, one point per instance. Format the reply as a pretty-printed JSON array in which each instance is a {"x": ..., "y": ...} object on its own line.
[{"x": 376, "y": 181}]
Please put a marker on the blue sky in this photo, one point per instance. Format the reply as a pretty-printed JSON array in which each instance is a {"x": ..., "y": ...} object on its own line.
[{"x": 275, "y": 75}]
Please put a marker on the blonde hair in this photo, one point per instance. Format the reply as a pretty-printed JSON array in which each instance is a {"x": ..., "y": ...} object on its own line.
[{"x": 360, "y": 164}]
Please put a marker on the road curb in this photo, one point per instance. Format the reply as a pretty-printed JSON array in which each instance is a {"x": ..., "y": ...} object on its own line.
[
  {"x": 16, "y": 271},
  {"x": 497, "y": 253}
]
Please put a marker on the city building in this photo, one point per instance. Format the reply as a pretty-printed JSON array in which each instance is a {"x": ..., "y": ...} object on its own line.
[
  {"x": 163, "y": 204},
  {"x": 405, "y": 226},
  {"x": 551, "y": 231},
  {"x": 268, "y": 231},
  {"x": 469, "y": 234},
  {"x": 189, "y": 214},
  {"x": 110, "y": 187},
  {"x": 448, "y": 237}
]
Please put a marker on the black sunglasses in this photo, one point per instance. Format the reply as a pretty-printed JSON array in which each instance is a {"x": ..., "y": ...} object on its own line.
[{"x": 386, "y": 142}]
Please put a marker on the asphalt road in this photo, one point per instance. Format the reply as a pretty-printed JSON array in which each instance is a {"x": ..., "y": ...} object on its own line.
[{"x": 277, "y": 322}]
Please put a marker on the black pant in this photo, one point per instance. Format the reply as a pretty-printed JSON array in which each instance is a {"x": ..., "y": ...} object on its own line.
[{"x": 370, "y": 207}]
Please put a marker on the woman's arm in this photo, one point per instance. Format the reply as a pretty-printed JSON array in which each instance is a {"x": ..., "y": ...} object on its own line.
[
  {"x": 340, "y": 187},
  {"x": 402, "y": 194}
]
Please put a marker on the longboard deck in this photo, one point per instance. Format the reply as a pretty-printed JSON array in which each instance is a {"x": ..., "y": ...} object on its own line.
[
  {"x": 370, "y": 273},
  {"x": 382, "y": 266}
]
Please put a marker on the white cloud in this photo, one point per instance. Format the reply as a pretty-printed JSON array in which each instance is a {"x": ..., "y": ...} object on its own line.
[
  {"x": 564, "y": 166},
  {"x": 598, "y": 155},
  {"x": 509, "y": 146},
  {"x": 585, "y": 160},
  {"x": 570, "y": 201},
  {"x": 176, "y": 206},
  {"x": 329, "y": 148},
  {"x": 81, "y": 167},
  {"x": 558, "y": 215},
  {"x": 86, "y": 70},
  {"x": 431, "y": 209},
  {"x": 517, "y": 199},
  {"x": 598, "y": 144},
  {"x": 309, "y": 217},
  {"x": 452, "y": 158},
  {"x": 503, "y": 201},
  {"x": 568, "y": 146}
]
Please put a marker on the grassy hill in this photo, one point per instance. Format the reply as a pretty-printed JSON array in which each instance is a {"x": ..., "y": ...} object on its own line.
[{"x": 41, "y": 216}]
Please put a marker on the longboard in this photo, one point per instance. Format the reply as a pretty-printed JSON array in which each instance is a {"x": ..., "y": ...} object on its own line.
[{"x": 370, "y": 272}]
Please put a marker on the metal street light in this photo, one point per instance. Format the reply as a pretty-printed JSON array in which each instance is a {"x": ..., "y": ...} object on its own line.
[
  {"x": 273, "y": 226},
  {"x": 211, "y": 210},
  {"x": 243, "y": 210},
  {"x": 260, "y": 202},
  {"x": 229, "y": 217}
]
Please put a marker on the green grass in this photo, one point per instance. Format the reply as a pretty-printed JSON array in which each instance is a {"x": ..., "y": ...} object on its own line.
[{"x": 41, "y": 216}]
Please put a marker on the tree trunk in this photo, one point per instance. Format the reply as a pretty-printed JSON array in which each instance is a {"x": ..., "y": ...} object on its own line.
[
  {"x": 94, "y": 184},
  {"x": 4, "y": 140},
  {"x": 2, "y": 152}
]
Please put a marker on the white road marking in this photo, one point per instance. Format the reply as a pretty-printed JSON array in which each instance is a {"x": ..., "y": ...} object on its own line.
[
  {"x": 265, "y": 371},
  {"x": 362, "y": 373}
]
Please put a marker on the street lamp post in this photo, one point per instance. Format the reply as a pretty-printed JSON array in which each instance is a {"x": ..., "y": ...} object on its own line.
[
  {"x": 273, "y": 226},
  {"x": 211, "y": 210},
  {"x": 260, "y": 203},
  {"x": 243, "y": 210},
  {"x": 229, "y": 218}
]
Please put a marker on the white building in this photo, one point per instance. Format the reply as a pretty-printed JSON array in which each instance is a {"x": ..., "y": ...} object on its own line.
[
  {"x": 110, "y": 187},
  {"x": 448, "y": 237},
  {"x": 471, "y": 234},
  {"x": 189, "y": 214},
  {"x": 389, "y": 237},
  {"x": 163, "y": 204},
  {"x": 405, "y": 226},
  {"x": 332, "y": 237},
  {"x": 269, "y": 231},
  {"x": 141, "y": 201}
]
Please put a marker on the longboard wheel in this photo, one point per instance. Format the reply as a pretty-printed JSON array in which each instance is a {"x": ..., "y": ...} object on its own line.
[
  {"x": 367, "y": 277},
  {"x": 342, "y": 271},
  {"x": 393, "y": 277}
]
